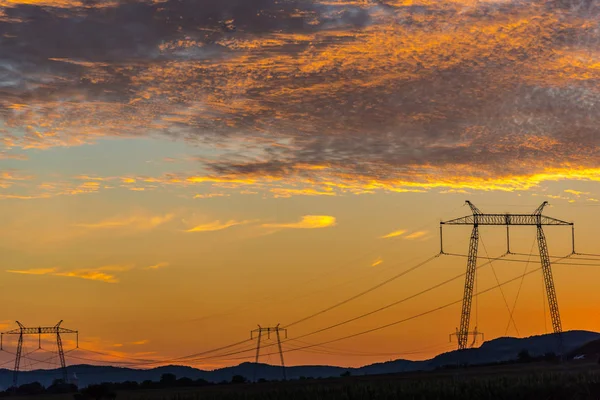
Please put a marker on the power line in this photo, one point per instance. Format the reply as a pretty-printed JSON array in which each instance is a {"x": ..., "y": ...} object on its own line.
[
  {"x": 504, "y": 259},
  {"x": 360, "y": 316},
  {"x": 518, "y": 291},
  {"x": 431, "y": 311},
  {"x": 511, "y": 319},
  {"x": 371, "y": 289},
  {"x": 194, "y": 357}
]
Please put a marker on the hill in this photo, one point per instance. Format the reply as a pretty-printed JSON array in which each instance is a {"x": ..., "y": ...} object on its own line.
[{"x": 493, "y": 351}]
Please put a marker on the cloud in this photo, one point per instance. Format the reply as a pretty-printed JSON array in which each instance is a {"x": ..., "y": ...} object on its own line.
[
  {"x": 93, "y": 275},
  {"x": 4, "y": 155},
  {"x": 210, "y": 195},
  {"x": 397, "y": 233},
  {"x": 314, "y": 97},
  {"x": 158, "y": 266},
  {"x": 575, "y": 192},
  {"x": 10, "y": 178},
  {"x": 140, "y": 342},
  {"x": 37, "y": 271},
  {"x": 377, "y": 262},
  {"x": 416, "y": 235},
  {"x": 217, "y": 226},
  {"x": 307, "y": 222},
  {"x": 102, "y": 274},
  {"x": 286, "y": 193},
  {"x": 141, "y": 222}
]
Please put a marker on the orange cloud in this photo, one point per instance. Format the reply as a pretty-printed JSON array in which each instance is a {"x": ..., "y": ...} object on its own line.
[
  {"x": 216, "y": 226},
  {"x": 377, "y": 262},
  {"x": 37, "y": 271},
  {"x": 140, "y": 342},
  {"x": 397, "y": 233},
  {"x": 210, "y": 195},
  {"x": 90, "y": 275},
  {"x": 286, "y": 193},
  {"x": 416, "y": 235},
  {"x": 307, "y": 222},
  {"x": 103, "y": 274},
  {"x": 8, "y": 178},
  {"x": 575, "y": 192},
  {"x": 158, "y": 266},
  {"x": 141, "y": 222}
]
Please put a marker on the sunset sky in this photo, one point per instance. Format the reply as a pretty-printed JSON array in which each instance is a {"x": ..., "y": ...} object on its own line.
[{"x": 173, "y": 173}]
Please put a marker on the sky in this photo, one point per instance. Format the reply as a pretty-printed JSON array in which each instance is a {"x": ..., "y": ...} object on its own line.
[{"x": 174, "y": 173}]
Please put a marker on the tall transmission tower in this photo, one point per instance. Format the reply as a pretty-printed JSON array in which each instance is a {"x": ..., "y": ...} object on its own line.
[
  {"x": 478, "y": 218},
  {"x": 259, "y": 333},
  {"x": 41, "y": 330}
]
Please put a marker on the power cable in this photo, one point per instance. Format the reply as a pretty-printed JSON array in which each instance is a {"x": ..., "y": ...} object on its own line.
[
  {"x": 362, "y": 315},
  {"x": 431, "y": 311},
  {"x": 371, "y": 289},
  {"x": 519, "y": 291},
  {"x": 501, "y": 291}
]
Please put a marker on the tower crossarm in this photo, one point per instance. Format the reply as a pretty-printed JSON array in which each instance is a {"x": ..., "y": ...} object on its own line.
[
  {"x": 44, "y": 330},
  {"x": 506, "y": 219},
  {"x": 38, "y": 330}
]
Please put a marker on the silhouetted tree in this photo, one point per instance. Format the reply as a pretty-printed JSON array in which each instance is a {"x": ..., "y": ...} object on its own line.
[
  {"x": 202, "y": 382},
  {"x": 59, "y": 386},
  {"x": 238, "y": 379},
  {"x": 345, "y": 374},
  {"x": 147, "y": 384},
  {"x": 99, "y": 392},
  {"x": 128, "y": 385},
  {"x": 31, "y": 388},
  {"x": 185, "y": 382},
  {"x": 168, "y": 380},
  {"x": 524, "y": 356}
]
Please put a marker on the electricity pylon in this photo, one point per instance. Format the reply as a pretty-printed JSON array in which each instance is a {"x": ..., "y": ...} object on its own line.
[
  {"x": 475, "y": 335},
  {"x": 41, "y": 330},
  {"x": 268, "y": 331},
  {"x": 478, "y": 218}
]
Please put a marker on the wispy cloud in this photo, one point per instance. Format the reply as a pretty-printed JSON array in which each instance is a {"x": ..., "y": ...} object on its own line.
[
  {"x": 158, "y": 266},
  {"x": 140, "y": 342},
  {"x": 377, "y": 262},
  {"x": 36, "y": 271},
  {"x": 575, "y": 192},
  {"x": 287, "y": 193},
  {"x": 397, "y": 233},
  {"x": 140, "y": 222},
  {"x": 93, "y": 275},
  {"x": 103, "y": 274},
  {"x": 307, "y": 222},
  {"x": 217, "y": 226},
  {"x": 210, "y": 195},
  {"x": 416, "y": 235}
]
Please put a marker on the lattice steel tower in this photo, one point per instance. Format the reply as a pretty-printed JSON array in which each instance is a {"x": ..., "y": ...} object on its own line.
[
  {"x": 41, "y": 330},
  {"x": 268, "y": 331},
  {"x": 478, "y": 218}
]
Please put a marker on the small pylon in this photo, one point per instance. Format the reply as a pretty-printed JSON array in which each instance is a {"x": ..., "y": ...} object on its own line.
[
  {"x": 41, "y": 330},
  {"x": 268, "y": 331},
  {"x": 475, "y": 333}
]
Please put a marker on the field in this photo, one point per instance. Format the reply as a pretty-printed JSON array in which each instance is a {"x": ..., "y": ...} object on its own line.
[{"x": 579, "y": 381}]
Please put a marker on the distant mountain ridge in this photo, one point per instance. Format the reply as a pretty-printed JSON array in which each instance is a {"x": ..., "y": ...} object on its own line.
[{"x": 496, "y": 350}]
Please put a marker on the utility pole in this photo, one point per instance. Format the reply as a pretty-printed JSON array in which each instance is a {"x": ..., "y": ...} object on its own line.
[
  {"x": 537, "y": 219},
  {"x": 41, "y": 330},
  {"x": 259, "y": 332}
]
